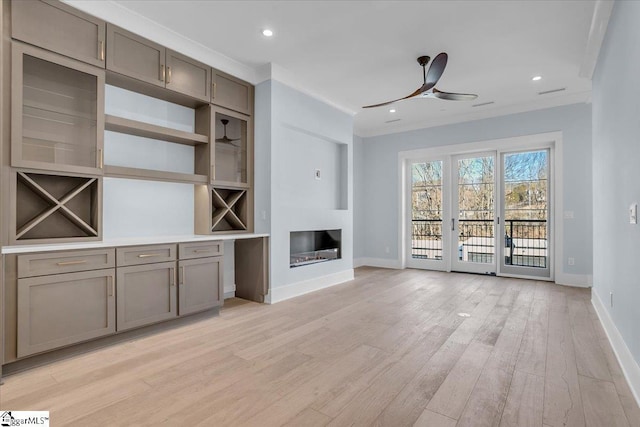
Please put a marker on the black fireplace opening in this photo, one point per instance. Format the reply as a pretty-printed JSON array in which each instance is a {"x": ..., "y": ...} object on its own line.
[{"x": 314, "y": 246}]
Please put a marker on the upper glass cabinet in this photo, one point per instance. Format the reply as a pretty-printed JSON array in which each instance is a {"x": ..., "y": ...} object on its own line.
[
  {"x": 230, "y": 154},
  {"x": 58, "y": 114}
]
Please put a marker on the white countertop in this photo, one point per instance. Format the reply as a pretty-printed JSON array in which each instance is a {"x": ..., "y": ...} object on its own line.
[{"x": 126, "y": 241}]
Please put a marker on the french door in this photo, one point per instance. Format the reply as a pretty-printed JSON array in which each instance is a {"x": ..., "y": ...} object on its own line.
[{"x": 485, "y": 212}]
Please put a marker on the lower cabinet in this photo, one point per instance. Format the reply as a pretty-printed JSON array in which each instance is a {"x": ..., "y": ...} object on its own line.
[
  {"x": 146, "y": 294},
  {"x": 200, "y": 284},
  {"x": 62, "y": 309}
]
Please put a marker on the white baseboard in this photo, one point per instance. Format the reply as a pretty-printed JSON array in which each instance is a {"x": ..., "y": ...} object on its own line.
[
  {"x": 630, "y": 367},
  {"x": 577, "y": 280},
  {"x": 377, "y": 262},
  {"x": 296, "y": 289},
  {"x": 229, "y": 291}
]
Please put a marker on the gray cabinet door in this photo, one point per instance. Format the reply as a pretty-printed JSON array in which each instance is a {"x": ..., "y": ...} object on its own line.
[
  {"x": 231, "y": 93},
  {"x": 188, "y": 76},
  {"x": 60, "y": 28},
  {"x": 57, "y": 114},
  {"x": 146, "y": 294},
  {"x": 135, "y": 56},
  {"x": 63, "y": 309},
  {"x": 200, "y": 284}
]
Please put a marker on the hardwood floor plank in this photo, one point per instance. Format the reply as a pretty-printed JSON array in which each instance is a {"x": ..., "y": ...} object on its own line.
[
  {"x": 433, "y": 419},
  {"x": 385, "y": 349},
  {"x": 452, "y": 396},
  {"x": 533, "y": 350},
  {"x": 524, "y": 406},
  {"x": 601, "y": 403},
  {"x": 562, "y": 400}
]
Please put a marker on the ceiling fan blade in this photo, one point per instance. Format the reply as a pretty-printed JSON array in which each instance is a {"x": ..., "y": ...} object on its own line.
[
  {"x": 416, "y": 93},
  {"x": 435, "y": 70},
  {"x": 449, "y": 96}
]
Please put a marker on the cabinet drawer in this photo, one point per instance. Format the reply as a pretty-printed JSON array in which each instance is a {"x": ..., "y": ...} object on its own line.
[
  {"x": 63, "y": 309},
  {"x": 200, "y": 249},
  {"x": 137, "y": 255},
  {"x": 41, "y": 264},
  {"x": 60, "y": 28}
]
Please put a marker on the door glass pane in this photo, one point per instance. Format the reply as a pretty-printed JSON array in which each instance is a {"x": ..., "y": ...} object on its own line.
[
  {"x": 426, "y": 210},
  {"x": 526, "y": 208},
  {"x": 476, "y": 210},
  {"x": 58, "y": 114},
  {"x": 231, "y": 149}
]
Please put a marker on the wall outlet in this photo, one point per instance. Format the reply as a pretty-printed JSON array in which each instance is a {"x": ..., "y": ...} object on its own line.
[
  {"x": 386, "y": 249},
  {"x": 571, "y": 261}
]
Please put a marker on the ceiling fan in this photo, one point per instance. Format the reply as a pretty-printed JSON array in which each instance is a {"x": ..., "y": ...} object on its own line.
[
  {"x": 430, "y": 78},
  {"x": 225, "y": 139}
]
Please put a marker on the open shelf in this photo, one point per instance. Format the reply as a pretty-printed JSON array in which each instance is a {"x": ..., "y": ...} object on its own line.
[
  {"x": 147, "y": 130},
  {"x": 56, "y": 207},
  {"x": 153, "y": 175},
  {"x": 229, "y": 209}
]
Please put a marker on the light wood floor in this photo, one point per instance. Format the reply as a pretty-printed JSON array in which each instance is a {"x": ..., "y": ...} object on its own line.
[{"x": 385, "y": 349}]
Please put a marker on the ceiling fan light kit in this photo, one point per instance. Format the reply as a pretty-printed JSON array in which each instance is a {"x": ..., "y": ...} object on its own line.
[{"x": 430, "y": 78}]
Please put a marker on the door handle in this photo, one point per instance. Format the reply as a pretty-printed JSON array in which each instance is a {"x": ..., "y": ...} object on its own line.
[
  {"x": 110, "y": 286},
  {"x": 453, "y": 224},
  {"x": 162, "y": 73},
  {"x": 181, "y": 278},
  {"x": 172, "y": 276},
  {"x": 213, "y": 95},
  {"x": 168, "y": 75},
  {"x": 101, "y": 50}
]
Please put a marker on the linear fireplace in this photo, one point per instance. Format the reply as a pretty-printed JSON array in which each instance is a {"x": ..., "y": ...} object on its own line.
[{"x": 311, "y": 247}]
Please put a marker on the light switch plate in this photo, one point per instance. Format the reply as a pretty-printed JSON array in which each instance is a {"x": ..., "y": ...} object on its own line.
[{"x": 633, "y": 213}]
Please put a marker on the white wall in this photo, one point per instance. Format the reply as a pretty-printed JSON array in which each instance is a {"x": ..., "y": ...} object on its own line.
[
  {"x": 379, "y": 202},
  {"x": 616, "y": 182},
  {"x": 295, "y": 136}
]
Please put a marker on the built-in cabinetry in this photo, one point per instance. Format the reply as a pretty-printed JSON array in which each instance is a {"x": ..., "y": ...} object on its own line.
[
  {"x": 146, "y": 278},
  {"x": 142, "y": 59},
  {"x": 200, "y": 283},
  {"x": 64, "y": 298},
  {"x": 61, "y": 60},
  {"x": 58, "y": 27}
]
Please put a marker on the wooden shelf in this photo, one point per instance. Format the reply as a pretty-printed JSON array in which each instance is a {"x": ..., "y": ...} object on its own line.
[
  {"x": 147, "y": 130},
  {"x": 153, "y": 175}
]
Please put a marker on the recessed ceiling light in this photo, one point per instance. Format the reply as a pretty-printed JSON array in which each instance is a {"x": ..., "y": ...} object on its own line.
[
  {"x": 393, "y": 110},
  {"x": 267, "y": 32},
  {"x": 536, "y": 78}
]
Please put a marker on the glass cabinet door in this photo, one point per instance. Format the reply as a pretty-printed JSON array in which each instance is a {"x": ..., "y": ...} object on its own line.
[
  {"x": 58, "y": 120},
  {"x": 230, "y": 154}
]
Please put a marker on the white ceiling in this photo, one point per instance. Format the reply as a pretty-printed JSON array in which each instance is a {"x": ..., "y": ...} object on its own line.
[{"x": 354, "y": 53}]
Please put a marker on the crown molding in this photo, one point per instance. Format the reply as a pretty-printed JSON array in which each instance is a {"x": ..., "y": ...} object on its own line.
[{"x": 599, "y": 22}]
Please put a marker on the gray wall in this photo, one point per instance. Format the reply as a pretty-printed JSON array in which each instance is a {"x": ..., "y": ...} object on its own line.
[
  {"x": 379, "y": 210},
  {"x": 358, "y": 197},
  {"x": 296, "y": 134},
  {"x": 616, "y": 182}
]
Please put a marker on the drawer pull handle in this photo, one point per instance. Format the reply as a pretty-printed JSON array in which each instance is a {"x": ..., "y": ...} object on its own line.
[
  {"x": 148, "y": 255},
  {"x": 200, "y": 251},
  {"x": 65, "y": 263}
]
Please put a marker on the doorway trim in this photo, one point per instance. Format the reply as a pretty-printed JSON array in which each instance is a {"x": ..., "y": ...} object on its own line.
[{"x": 551, "y": 140}]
